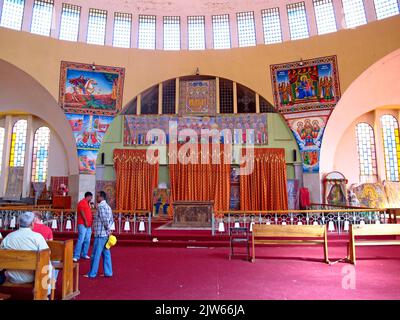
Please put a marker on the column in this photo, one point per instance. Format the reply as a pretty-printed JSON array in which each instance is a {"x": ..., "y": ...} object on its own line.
[
  {"x": 8, "y": 124},
  {"x": 159, "y": 32},
  {"x": 83, "y": 24},
  {"x": 234, "y": 31},
  {"x": 257, "y": 103},
  {"x": 109, "y": 28},
  {"x": 184, "y": 33},
  {"x": 160, "y": 94},
  {"x": 258, "y": 25},
  {"x": 284, "y": 22},
  {"x": 208, "y": 32},
  {"x": 369, "y": 8},
  {"x": 56, "y": 19},
  {"x": 27, "y": 19},
  {"x": 298, "y": 173},
  {"x": 217, "y": 98},
  {"x": 30, "y": 133},
  {"x": 1, "y": 7},
  {"x": 139, "y": 104},
  {"x": 134, "y": 31},
  {"x": 177, "y": 95},
  {"x": 311, "y": 21},
  {"x": 379, "y": 147},
  {"x": 235, "y": 107},
  {"x": 313, "y": 183},
  {"x": 339, "y": 15}
]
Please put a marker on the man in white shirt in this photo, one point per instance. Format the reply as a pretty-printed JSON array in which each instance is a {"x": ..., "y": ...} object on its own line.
[{"x": 24, "y": 239}]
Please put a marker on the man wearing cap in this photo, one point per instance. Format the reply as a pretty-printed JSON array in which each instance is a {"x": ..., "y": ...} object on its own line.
[
  {"x": 25, "y": 239},
  {"x": 102, "y": 223}
]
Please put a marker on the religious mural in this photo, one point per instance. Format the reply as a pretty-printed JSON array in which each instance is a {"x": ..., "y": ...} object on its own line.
[
  {"x": 308, "y": 129},
  {"x": 370, "y": 195},
  {"x": 306, "y": 85},
  {"x": 197, "y": 98},
  {"x": 89, "y": 89},
  {"x": 89, "y": 130},
  {"x": 137, "y": 127},
  {"x": 91, "y": 96},
  {"x": 292, "y": 186}
]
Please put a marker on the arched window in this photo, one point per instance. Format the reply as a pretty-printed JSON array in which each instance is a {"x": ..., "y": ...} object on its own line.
[
  {"x": 391, "y": 144},
  {"x": 366, "y": 152},
  {"x": 1, "y": 146},
  {"x": 40, "y": 155},
  {"x": 18, "y": 144}
]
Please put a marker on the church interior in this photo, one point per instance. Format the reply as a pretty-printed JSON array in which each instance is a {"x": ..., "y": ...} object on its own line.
[{"x": 246, "y": 150}]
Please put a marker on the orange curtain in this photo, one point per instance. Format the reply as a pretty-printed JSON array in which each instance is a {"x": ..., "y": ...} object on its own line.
[
  {"x": 136, "y": 179},
  {"x": 200, "y": 181},
  {"x": 265, "y": 187}
]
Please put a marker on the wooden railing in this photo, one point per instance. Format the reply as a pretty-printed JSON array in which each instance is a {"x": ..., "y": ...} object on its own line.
[
  {"x": 65, "y": 220},
  {"x": 338, "y": 220}
]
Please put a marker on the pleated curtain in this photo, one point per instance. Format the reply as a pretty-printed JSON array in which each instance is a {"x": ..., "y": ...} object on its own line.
[
  {"x": 265, "y": 187},
  {"x": 136, "y": 179}
]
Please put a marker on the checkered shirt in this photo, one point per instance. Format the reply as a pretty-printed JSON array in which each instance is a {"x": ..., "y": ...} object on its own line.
[{"x": 102, "y": 220}]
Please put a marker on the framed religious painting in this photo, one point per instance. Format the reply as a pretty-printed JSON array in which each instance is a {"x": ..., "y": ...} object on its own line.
[
  {"x": 306, "y": 85},
  {"x": 197, "y": 98},
  {"x": 91, "y": 89}
]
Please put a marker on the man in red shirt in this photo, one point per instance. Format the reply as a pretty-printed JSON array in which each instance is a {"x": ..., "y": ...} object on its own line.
[
  {"x": 39, "y": 227},
  {"x": 85, "y": 219}
]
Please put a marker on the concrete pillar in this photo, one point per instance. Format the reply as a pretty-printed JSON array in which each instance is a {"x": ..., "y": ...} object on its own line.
[
  {"x": 298, "y": 173},
  {"x": 284, "y": 22},
  {"x": 108, "y": 40},
  {"x": 8, "y": 124},
  {"x": 30, "y": 133},
  {"x": 159, "y": 33},
  {"x": 313, "y": 183},
  {"x": 135, "y": 31},
  {"x": 56, "y": 20},
  {"x": 311, "y": 21},
  {"x": 339, "y": 14},
  {"x": 369, "y": 8},
  {"x": 233, "y": 29},
  {"x": 83, "y": 24},
  {"x": 184, "y": 33},
  {"x": 27, "y": 19},
  {"x": 235, "y": 106}
]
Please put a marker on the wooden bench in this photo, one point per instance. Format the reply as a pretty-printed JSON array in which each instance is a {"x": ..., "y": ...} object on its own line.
[
  {"x": 371, "y": 230},
  {"x": 289, "y": 231},
  {"x": 36, "y": 261},
  {"x": 61, "y": 257}
]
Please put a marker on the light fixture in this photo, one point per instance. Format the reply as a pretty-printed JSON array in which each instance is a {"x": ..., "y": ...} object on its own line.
[
  {"x": 197, "y": 71},
  {"x": 93, "y": 66},
  {"x": 301, "y": 62}
]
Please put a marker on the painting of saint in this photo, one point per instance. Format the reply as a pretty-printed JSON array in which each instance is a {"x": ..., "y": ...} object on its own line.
[
  {"x": 87, "y": 161},
  {"x": 90, "y": 89}
]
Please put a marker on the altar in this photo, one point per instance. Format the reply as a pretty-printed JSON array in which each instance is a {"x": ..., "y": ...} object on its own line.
[{"x": 196, "y": 214}]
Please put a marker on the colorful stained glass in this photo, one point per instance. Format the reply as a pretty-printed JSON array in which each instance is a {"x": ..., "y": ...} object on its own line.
[
  {"x": 391, "y": 144},
  {"x": 1, "y": 145},
  {"x": 18, "y": 144},
  {"x": 40, "y": 156},
  {"x": 366, "y": 152}
]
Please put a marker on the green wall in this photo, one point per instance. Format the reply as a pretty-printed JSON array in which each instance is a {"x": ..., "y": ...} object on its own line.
[{"x": 279, "y": 136}]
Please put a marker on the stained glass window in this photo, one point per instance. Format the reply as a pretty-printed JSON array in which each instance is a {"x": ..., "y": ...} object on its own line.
[
  {"x": 391, "y": 144},
  {"x": 172, "y": 33},
  {"x": 122, "y": 30},
  {"x": 70, "y": 17},
  {"x": 297, "y": 20},
  {"x": 196, "y": 33},
  {"x": 12, "y": 14},
  {"x": 354, "y": 13},
  {"x": 221, "y": 31},
  {"x": 366, "y": 151},
  {"x": 246, "y": 29},
  {"x": 18, "y": 144},
  {"x": 325, "y": 16},
  {"x": 1, "y": 146},
  {"x": 147, "y": 32},
  {"x": 386, "y": 8},
  {"x": 42, "y": 17},
  {"x": 271, "y": 25},
  {"x": 40, "y": 157},
  {"x": 168, "y": 97},
  {"x": 96, "y": 31}
]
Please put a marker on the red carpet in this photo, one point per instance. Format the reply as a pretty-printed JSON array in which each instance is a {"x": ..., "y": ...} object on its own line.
[{"x": 279, "y": 273}]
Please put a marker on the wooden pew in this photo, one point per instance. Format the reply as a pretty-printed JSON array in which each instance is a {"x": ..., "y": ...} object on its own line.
[
  {"x": 36, "y": 261},
  {"x": 61, "y": 257},
  {"x": 290, "y": 231},
  {"x": 371, "y": 230}
]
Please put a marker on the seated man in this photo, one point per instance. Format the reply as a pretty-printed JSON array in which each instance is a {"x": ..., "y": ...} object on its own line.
[
  {"x": 39, "y": 227},
  {"x": 25, "y": 239}
]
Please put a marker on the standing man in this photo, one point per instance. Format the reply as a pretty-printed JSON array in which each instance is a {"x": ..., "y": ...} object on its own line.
[
  {"x": 85, "y": 220},
  {"x": 101, "y": 228}
]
